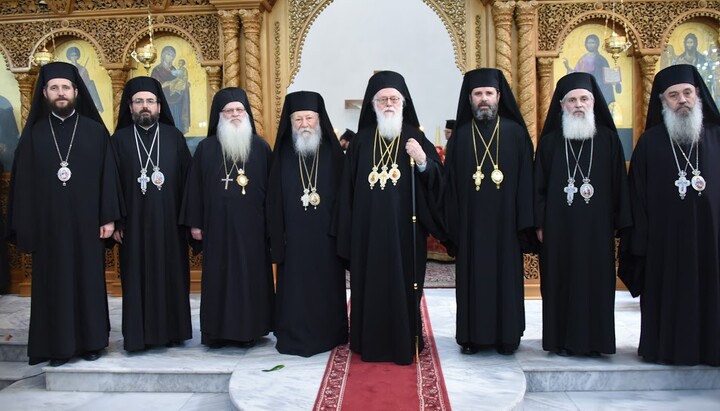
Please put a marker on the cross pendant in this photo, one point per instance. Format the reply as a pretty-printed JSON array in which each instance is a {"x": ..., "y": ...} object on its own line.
[
  {"x": 478, "y": 177},
  {"x": 305, "y": 198},
  {"x": 682, "y": 183},
  {"x": 143, "y": 180},
  {"x": 227, "y": 179},
  {"x": 570, "y": 190}
]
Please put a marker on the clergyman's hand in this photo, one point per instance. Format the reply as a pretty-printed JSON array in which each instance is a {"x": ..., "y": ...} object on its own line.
[
  {"x": 415, "y": 151},
  {"x": 107, "y": 230},
  {"x": 196, "y": 233},
  {"x": 539, "y": 233},
  {"x": 118, "y": 236}
]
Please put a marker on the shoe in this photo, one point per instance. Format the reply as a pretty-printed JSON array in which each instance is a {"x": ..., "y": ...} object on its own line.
[
  {"x": 594, "y": 354},
  {"x": 468, "y": 349},
  {"x": 57, "y": 362},
  {"x": 505, "y": 350},
  {"x": 216, "y": 344},
  {"x": 91, "y": 355},
  {"x": 246, "y": 344},
  {"x": 564, "y": 352}
]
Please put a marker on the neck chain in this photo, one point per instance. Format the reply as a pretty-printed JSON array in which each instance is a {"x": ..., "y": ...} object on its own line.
[
  {"x": 586, "y": 189},
  {"x": 241, "y": 178},
  {"x": 64, "y": 173},
  {"x": 496, "y": 175},
  {"x": 157, "y": 177},
  {"x": 310, "y": 195},
  {"x": 697, "y": 181},
  {"x": 386, "y": 156}
]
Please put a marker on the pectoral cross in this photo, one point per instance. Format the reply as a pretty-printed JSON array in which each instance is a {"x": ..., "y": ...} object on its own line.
[
  {"x": 682, "y": 183},
  {"x": 570, "y": 190},
  {"x": 478, "y": 177},
  {"x": 227, "y": 179},
  {"x": 143, "y": 180},
  {"x": 305, "y": 198},
  {"x": 383, "y": 177}
]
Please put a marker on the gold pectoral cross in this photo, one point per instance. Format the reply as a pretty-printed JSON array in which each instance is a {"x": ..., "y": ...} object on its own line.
[{"x": 478, "y": 177}]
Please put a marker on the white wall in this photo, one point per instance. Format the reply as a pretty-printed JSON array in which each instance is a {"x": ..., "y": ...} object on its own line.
[{"x": 353, "y": 38}]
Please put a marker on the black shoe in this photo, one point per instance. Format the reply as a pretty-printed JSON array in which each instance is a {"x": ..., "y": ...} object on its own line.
[
  {"x": 468, "y": 349},
  {"x": 564, "y": 352},
  {"x": 91, "y": 355},
  {"x": 505, "y": 349},
  {"x": 594, "y": 354},
  {"x": 216, "y": 344},
  {"x": 57, "y": 362},
  {"x": 246, "y": 344}
]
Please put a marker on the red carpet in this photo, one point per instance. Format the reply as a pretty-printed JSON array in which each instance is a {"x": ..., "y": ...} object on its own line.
[{"x": 351, "y": 384}]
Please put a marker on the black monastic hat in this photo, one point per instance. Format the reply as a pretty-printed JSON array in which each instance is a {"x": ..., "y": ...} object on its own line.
[
  {"x": 379, "y": 81},
  {"x": 221, "y": 99},
  {"x": 679, "y": 74},
  {"x": 136, "y": 85},
  {"x": 573, "y": 81},
  {"x": 450, "y": 124}
]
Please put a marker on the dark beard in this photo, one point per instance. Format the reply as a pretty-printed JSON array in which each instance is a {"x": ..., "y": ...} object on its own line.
[
  {"x": 62, "y": 112},
  {"x": 145, "y": 121}
]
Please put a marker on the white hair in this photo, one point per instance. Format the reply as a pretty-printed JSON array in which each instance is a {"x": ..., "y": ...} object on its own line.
[
  {"x": 306, "y": 140},
  {"x": 578, "y": 128},
  {"x": 683, "y": 129},
  {"x": 235, "y": 139}
]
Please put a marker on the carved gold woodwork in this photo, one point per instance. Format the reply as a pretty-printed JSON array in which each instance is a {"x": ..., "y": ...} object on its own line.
[
  {"x": 546, "y": 85},
  {"x": 503, "y": 18},
  {"x": 118, "y": 78},
  {"x": 648, "y": 64},
  {"x": 527, "y": 83},
  {"x": 214, "y": 75},
  {"x": 251, "y": 22},
  {"x": 453, "y": 16},
  {"x": 230, "y": 27}
]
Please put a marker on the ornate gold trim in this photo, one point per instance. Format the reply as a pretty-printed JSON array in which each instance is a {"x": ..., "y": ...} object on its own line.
[{"x": 452, "y": 14}]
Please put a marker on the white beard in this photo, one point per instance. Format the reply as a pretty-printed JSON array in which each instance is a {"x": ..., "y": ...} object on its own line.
[
  {"x": 578, "y": 128},
  {"x": 306, "y": 140},
  {"x": 684, "y": 129},
  {"x": 389, "y": 127},
  {"x": 235, "y": 140}
]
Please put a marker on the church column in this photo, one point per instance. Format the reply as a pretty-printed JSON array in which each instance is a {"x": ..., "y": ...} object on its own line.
[
  {"x": 251, "y": 22},
  {"x": 26, "y": 82},
  {"x": 231, "y": 51},
  {"x": 546, "y": 88},
  {"x": 502, "y": 17},
  {"x": 527, "y": 86},
  {"x": 118, "y": 78},
  {"x": 648, "y": 63},
  {"x": 214, "y": 76}
]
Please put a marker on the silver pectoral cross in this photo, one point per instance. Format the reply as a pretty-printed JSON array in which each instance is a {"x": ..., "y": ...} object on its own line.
[
  {"x": 227, "y": 179},
  {"x": 682, "y": 183},
  {"x": 305, "y": 198},
  {"x": 570, "y": 190},
  {"x": 143, "y": 180}
]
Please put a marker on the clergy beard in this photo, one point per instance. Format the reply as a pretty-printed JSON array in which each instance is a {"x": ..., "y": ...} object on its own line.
[
  {"x": 235, "y": 140},
  {"x": 389, "y": 127},
  {"x": 482, "y": 114},
  {"x": 306, "y": 140},
  {"x": 145, "y": 118},
  {"x": 578, "y": 128},
  {"x": 62, "y": 112},
  {"x": 684, "y": 128}
]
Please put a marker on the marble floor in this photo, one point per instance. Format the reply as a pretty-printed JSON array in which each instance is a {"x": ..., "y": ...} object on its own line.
[{"x": 528, "y": 380}]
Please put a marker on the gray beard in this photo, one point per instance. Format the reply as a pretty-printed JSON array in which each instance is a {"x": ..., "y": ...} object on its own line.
[
  {"x": 389, "y": 127},
  {"x": 684, "y": 129},
  {"x": 485, "y": 114},
  {"x": 235, "y": 140},
  {"x": 578, "y": 128},
  {"x": 306, "y": 140}
]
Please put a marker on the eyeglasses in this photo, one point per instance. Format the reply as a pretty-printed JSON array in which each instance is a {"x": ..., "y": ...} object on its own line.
[
  {"x": 383, "y": 100},
  {"x": 233, "y": 110},
  {"x": 141, "y": 101}
]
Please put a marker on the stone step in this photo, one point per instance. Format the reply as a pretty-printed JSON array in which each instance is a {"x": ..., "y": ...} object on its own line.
[
  {"x": 13, "y": 345},
  {"x": 12, "y": 371}
]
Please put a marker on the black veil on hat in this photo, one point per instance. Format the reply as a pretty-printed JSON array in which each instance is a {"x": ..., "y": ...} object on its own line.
[
  {"x": 136, "y": 85},
  {"x": 39, "y": 108},
  {"x": 567, "y": 83},
  {"x": 379, "y": 81},
  {"x": 678, "y": 74},
  {"x": 487, "y": 77},
  {"x": 450, "y": 124},
  {"x": 221, "y": 99},
  {"x": 297, "y": 101}
]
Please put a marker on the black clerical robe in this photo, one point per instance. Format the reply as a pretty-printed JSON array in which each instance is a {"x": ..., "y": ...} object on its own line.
[
  {"x": 577, "y": 256},
  {"x": 375, "y": 232},
  {"x": 311, "y": 313},
  {"x": 60, "y": 225},
  {"x": 237, "y": 282},
  {"x": 154, "y": 266},
  {"x": 486, "y": 226},
  {"x": 673, "y": 250}
]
